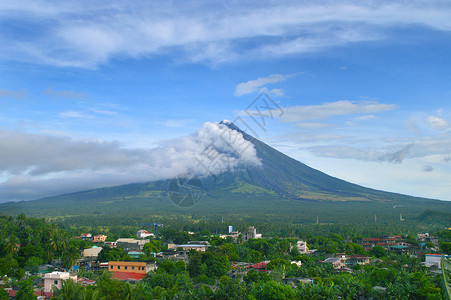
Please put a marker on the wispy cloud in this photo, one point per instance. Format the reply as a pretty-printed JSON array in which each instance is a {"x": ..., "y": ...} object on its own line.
[
  {"x": 427, "y": 168},
  {"x": 19, "y": 95},
  {"x": 84, "y": 34},
  {"x": 64, "y": 94},
  {"x": 177, "y": 123},
  {"x": 75, "y": 114},
  {"x": 255, "y": 85},
  {"x": 331, "y": 109},
  {"x": 397, "y": 156}
]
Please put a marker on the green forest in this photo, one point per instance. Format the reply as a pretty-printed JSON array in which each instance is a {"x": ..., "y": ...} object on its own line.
[{"x": 27, "y": 243}]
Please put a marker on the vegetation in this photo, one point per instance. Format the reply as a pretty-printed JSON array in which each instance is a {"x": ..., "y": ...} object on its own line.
[{"x": 28, "y": 242}]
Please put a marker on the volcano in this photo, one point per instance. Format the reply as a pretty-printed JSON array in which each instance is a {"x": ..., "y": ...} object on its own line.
[{"x": 279, "y": 182}]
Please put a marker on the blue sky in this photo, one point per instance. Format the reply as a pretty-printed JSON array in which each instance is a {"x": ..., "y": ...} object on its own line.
[{"x": 103, "y": 93}]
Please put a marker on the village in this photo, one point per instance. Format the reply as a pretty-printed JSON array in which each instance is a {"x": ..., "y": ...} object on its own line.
[{"x": 132, "y": 259}]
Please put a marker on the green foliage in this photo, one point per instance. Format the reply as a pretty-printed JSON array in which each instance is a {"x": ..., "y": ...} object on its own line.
[
  {"x": 112, "y": 254},
  {"x": 70, "y": 290},
  {"x": 378, "y": 251},
  {"x": 273, "y": 290},
  {"x": 400, "y": 274},
  {"x": 254, "y": 276},
  {"x": 25, "y": 290},
  {"x": 210, "y": 264},
  {"x": 32, "y": 264},
  {"x": 446, "y": 247},
  {"x": 3, "y": 294}
]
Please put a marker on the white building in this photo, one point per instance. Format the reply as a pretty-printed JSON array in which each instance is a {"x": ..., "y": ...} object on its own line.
[
  {"x": 433, "y": 260},
  {"x": 92, "y": 252},
  {"x": 141, "y": 234},
  {"x": 131, "y": 244},
  {"x": 251, "y": 233},
  {"x": 55, "y": 279},
  {"x": 302, "y": 247}
]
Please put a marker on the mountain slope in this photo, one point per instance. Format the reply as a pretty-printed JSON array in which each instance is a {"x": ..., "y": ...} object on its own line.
[
  {"x": 281, "y": 185},
  {"x": 292, "y": 179}
]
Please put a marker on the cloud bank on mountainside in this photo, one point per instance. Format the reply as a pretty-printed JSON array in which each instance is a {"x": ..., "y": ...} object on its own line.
[{"x": 34, "y": 166}]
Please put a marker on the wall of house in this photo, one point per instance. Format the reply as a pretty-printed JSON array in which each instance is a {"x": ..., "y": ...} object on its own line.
[{"x": 127, "y": 266}]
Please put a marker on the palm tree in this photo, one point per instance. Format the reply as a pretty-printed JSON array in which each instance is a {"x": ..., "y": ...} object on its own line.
[
  {"x": 11, "y": 244},
  {"x": 69, "y": 291},
  {"x": 70, "y": 257},
  {"x": 89, "y": 293}
]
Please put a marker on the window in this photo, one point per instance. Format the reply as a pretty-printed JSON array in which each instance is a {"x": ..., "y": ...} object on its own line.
[
  {"x": 111, "y": 267},
  {"x": 125, "y": 267},
  {"x": 133, "y": 268},
  {"x": 118, "y": 267},
  {"x": 55, "y": 282}
]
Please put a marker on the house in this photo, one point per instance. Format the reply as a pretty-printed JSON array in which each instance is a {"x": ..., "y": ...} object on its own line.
[
  {"x": 99, "y": 238},
  {"x": 55, "y": 279},
  {"x": 131, "y": 244},
  {"x": 405, "y": 248},
  {"x": 135, "y": 254},
  {"x": 111, "y": 244},
  {"x": 234, "y": 235},
  {"x": 92, "y": 252},
  {"x": 197, "y": 247},
  {"x": 261, "y": 266},
  {"x": 85, "y": 281},
  {"x": 302, "y": 247},
  {"x": 297, "y": 263},
  {"x": 425, "y": 238},
  {"x": 180, "y": 255},
  {"x": 296, "y": 281},
  {"x": 140, "y": 267},
  {"x": 130, "y": 271},
  {"x": 353, "y": 260},
  {"x": 128, "y": 277},
  {"x": 86, "y": 236},
  {"x": 369, "y": 243},
  {"x": 339, "y": 261},
  {"x": 251, "y": 233},
  {"x": 433, "y": 260},
  {"x": 141, "y": 234}
]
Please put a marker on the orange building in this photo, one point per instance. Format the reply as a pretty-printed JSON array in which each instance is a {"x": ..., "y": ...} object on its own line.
[
  {"x": 99, "y": 238},
  {"x": 130, "y": 267}
]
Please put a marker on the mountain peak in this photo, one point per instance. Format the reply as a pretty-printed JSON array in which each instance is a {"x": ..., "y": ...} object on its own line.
[{"x": 232, "y": 126}]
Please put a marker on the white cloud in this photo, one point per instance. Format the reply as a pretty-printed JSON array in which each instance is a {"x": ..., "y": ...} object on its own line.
[
  {"x": 437, "y": 123},
  {"x": 331, "y": 109},
  {"x": 34, "y": 166},
  {"x": 86, "y": 34},
  {"x": 252, "y": 86},
  {"x": 75, "y": 114},
  {"x": 276, "y": 92}
]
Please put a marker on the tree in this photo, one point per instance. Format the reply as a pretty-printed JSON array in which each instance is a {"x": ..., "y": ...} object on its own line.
[
  {"x": 446, "y": 247},
  {"x": 273, "y": 290},
  {"x": 112, "y": 254},
  {"x": 26, "y": 291},
  {"x": 70, "y": 290},
  {"x": 3, "y": 294},
  {"x": 70, "y": 256},
  {"x": 33, "y": 263},
  {"x": 378, "y": 251}
]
